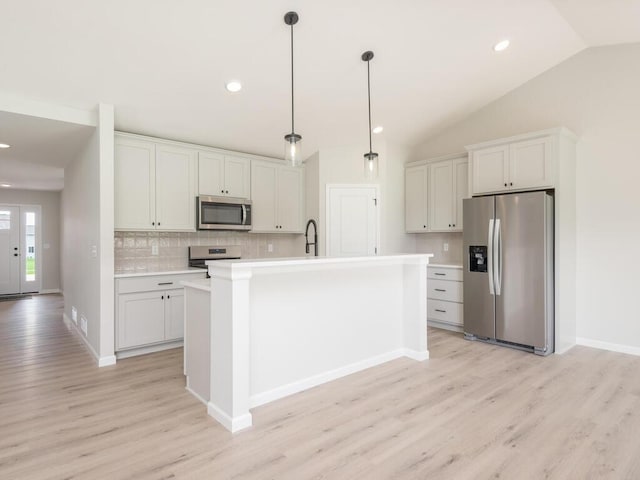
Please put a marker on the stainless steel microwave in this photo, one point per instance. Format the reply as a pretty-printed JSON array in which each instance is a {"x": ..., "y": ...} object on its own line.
[{"x": 223, "y": 213}]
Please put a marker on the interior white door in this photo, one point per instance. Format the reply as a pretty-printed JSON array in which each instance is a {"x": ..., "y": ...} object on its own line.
[
  {"x": 352, "y": 221},
  {"x": 9, "y": 249}
]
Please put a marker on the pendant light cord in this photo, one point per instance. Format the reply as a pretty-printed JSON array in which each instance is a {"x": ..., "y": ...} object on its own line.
[
  {"x": 369, "y": 98},
  {"x": 292, "y": 109}
]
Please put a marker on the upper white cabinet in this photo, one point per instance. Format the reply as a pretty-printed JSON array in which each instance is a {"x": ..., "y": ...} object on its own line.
[
  {"x": 433, "y": 194},
  {"x": 448, "y": 185},
  {"x": 525, "y": 162},
  {"x": 224, "y": 175},
  {"x": 154, "y": 186},
  {"x": 277, "y": 198},
  {"x": 415, "y": 183}
]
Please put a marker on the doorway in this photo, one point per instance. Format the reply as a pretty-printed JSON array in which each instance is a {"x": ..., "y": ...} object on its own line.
[
  {"x": 352, "y": 220},
  {"x": 20, "y": 249}
]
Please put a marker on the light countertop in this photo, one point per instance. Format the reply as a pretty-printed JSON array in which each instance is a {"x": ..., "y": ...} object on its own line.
[
  {"x": 445, "y": 265},
  {"x": 310, "y": 261},
  {"x": 163, "y": 272}
]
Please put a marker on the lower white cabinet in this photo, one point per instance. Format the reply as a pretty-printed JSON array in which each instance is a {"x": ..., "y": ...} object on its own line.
[
  {"x": 445, "y": 294},
  {"x": 150, "y": 311}
]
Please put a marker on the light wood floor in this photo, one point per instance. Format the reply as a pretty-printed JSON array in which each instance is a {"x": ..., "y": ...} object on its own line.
[{"x": 471, "y": 412}]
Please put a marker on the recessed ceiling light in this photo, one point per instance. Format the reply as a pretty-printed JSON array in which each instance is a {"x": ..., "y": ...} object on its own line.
[
  {"x": 4, "y": 145},
  {"x": 378, "y": 129},
  {"x": 501, "y": 45},
  {"x": 5, "y": 185},
  {"x": 234, "y": 86}
]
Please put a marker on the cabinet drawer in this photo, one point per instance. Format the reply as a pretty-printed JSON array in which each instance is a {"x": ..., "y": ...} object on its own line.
[
  {"x": 448, "y": 312},
  {"x": 155, "y": 282},
  {"x": 440, "y": 273},
  {"x": 444, "y": 290}
]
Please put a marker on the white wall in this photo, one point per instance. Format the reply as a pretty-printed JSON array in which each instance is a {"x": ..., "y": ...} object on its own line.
[
  {"x": 595, "y": 94},
  {"x": 50, "y": 202},
  {"x": 345, "y": 165},
  {"x": 87, "y": 218}
]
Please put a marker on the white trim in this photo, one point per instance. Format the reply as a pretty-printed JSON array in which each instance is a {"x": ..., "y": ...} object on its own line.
[
  {"x": 49, "y": 291},
  {"x": 232, "y": 424},
  {"x": 613, "y": 347},
  {"x": 441, "y": 158},
  {"x": 315, "y": 380},
  {"x": 188, "y": 389},
  {"x": 133, "y": 352},
  {"x": 101, "y": 361},
  {"x": 24, "y": 106},
  {"x": 562, "y": 131}
]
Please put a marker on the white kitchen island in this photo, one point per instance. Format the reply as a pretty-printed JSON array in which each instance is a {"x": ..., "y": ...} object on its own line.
[{"x": 260, "y": 330}]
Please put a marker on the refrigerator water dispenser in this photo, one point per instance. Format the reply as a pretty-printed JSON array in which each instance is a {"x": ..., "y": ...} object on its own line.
[{"x": 478, "y": 259}]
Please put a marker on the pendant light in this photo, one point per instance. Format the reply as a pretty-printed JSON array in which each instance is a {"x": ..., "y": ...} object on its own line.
[
  {"x": 292, "y": 141},
  {"x": 370, "y": 158}
]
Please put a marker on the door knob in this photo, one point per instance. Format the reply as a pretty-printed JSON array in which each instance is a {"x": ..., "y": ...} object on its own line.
[{"x": 15, "y": 254}]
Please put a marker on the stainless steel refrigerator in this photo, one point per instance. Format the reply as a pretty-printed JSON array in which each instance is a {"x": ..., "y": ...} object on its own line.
[{"x": 508, "y": 270}]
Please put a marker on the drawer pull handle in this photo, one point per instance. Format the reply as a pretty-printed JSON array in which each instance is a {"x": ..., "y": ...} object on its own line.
[
  {"x": 440, "y": 274},
  {"x": 441, "y": 311},
  {"x": 439, "y": 289},
  {"x": 165, "y": 283}
]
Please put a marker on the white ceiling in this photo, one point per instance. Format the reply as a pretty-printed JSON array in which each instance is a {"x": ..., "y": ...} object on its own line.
[{"x": 163, "y": 64}]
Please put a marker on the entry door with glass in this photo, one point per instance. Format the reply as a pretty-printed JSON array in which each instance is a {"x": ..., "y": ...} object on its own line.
[{"x": 19, "y": 249}]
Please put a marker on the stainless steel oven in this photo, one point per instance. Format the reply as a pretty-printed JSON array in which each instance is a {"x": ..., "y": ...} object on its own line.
[{"x": 223, "y": 213}]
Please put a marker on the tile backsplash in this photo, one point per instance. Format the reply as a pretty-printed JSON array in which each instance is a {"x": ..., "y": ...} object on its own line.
[
  {"x": 133, "y": 249},
  {"x": 434, "y": 243}
]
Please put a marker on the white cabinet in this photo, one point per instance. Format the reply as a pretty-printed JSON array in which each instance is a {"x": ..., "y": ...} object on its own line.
[
  {"x": 448, "y": 185},
  {"x": 150, "y": 311},
  {"x": 224, "y": 175},
  {"x": 415, "y": 183},
  {"x": 277, "y": 198},
  {"x": 445, "y": 297},
  {"x": 525, "y": 162},
  {"x": 154, "y": 186}
]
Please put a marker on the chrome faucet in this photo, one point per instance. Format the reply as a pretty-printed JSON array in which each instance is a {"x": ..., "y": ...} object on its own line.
[{"x": 315, "y": 237}]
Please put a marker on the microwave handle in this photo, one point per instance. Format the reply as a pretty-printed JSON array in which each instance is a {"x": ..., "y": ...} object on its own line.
[{"x": 244, "y": 214}]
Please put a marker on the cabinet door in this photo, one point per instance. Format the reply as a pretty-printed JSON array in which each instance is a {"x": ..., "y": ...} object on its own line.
[
  {"x": 210, "y": 173},
  {"x": 289, "y": 200},
  {"x": 134, "y": 184},
  {"x": 530, "y": 163},
  {"x": 490, "y": 169},
  {"x": 263, "y": 196},
  {"x": 175, "y": 188},
  {"x": 441, "y": 196},
  {"x": 237, "y": 176},
  {"x": 415, "y": 183},
  {"x": 140, "y": 319},
  {"x": 174, "y": 314},
  {"x": 460, "y": 189}
]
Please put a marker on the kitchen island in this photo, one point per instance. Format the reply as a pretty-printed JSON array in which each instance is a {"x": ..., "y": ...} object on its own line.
[{"x": 260, "y": 330}]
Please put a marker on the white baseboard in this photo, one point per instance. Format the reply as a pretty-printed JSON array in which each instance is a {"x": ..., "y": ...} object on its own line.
[
  {"x": 315, "y": 380},
  {"x": 614, "y": 347},
  {"x": 49, "y": 291},
  {"x": 234, "y": 424},
  {"x": 149, "y": 349},
  {"x": 101, "y": 361}
]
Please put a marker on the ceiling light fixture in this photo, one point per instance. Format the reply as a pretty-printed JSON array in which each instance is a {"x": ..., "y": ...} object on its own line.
[
  {"x": 501, "y": 45},
  {"x": 233, "y": 86},
  {"x": 5, "y": 185},
  {"x": 4, "y": 145},
  {"x": 378, "y": 129},
  {"x": 292, "y": 141},
  {"x": 370, "y": 158}
]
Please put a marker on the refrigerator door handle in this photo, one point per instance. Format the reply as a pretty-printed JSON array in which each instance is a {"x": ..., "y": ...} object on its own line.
[
  {"x": 497, "y": 258},
  {"x": 490, "y": 258}
]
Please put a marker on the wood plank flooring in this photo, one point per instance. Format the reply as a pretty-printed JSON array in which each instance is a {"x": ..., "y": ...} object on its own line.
[{"x": 473, "y": 411}]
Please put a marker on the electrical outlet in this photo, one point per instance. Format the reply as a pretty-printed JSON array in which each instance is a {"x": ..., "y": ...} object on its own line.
[
  {"x": 74, "y": 315},
  {"x": 83, "y": 324},
  {"x": 94, "y": 251},
  {"x": 445, "y": 247},
  {"x": 154, "y": 249},
  {"x": 270, "y": 247}
]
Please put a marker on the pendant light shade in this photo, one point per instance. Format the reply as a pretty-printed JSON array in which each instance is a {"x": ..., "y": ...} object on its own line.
[
  {"x": 292, "y": 141},
  {"x": 370, "y": 158}
]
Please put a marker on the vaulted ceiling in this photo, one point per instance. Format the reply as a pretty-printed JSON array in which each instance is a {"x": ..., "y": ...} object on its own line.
[{"x": 163, "y": 64}]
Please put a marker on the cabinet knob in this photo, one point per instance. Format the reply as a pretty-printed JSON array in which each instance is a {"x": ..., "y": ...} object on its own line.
[
  {"x": 153, "y": 223},
  {"x": 424, "y": 226},
  {"x": 505, "y": 184},
  {"x": 162, "y": 297},
  {"x": 454, "y": 224},
  {"x": 221, "y": 191},
  {"x": 168, "y": 297},
  {"x": 449, "y": 224},
  {"x": 226, "y": 191},
  {"x": 511, "y": 184}
]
